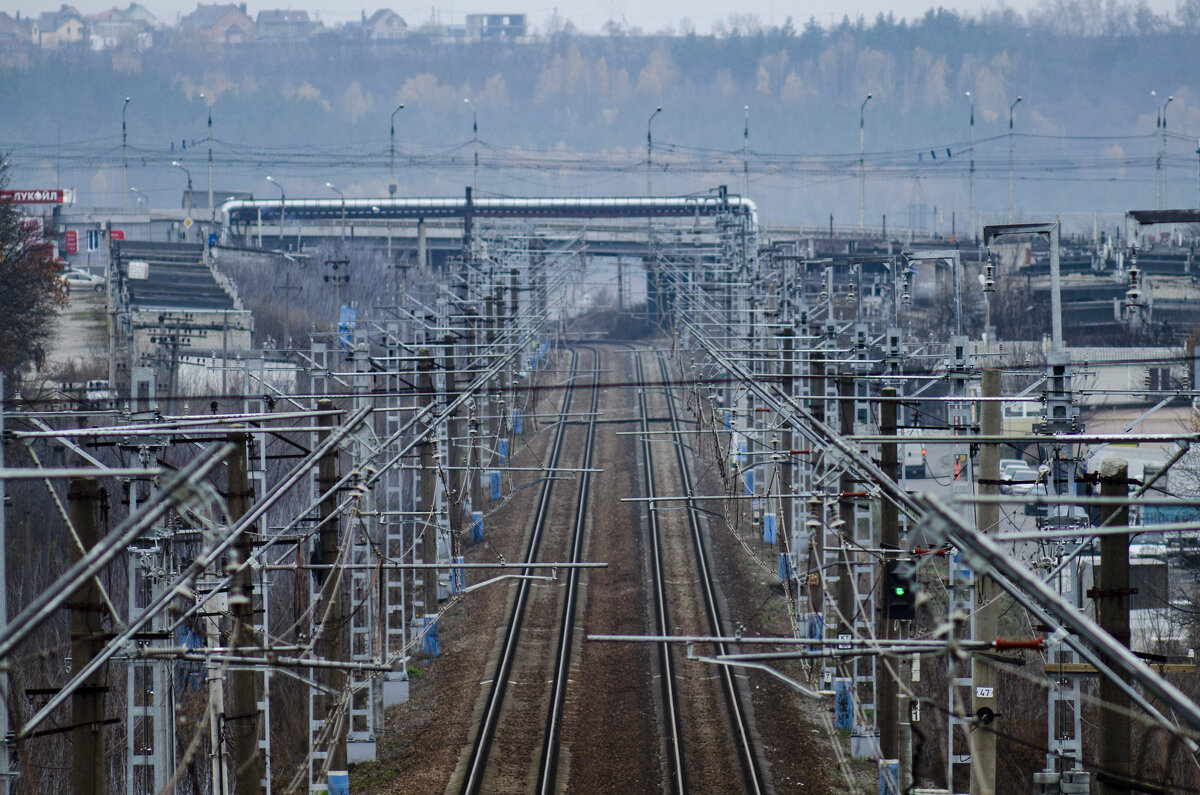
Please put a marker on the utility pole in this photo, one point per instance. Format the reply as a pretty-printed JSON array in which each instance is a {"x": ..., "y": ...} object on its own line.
[
  {"x": 88, "y": 773},
  {"x": 287, "y": 307},
  {"x": 475, "y": 336},
  {"x": 392, "y": 153},
  {"x": 330, "y": 611},
  {"x": 1010, "y": 158},
  {"x": 815, "y": 587},
  {"x": 746, "y": 155},
  {"x": 787, "y": 339},
  {"x": 987, "y": 518},
  {"x": 212, "y": 209},
  {"x": 971, "y": 212},
  {"x": 650, "y": 152},
  {"x": 124, "y": 158},
  {"x": 1112, "y": 594},
  {"x": 6, "y": 775},
  {"x": 862, "y": 164},
  {"x": 887, "y": 688},
  {"x": 846, "y": 603},
  {"x": 427, "y": 507},
  {"x": 243, "y": 716},
  {"x": 457, "y": 476}
]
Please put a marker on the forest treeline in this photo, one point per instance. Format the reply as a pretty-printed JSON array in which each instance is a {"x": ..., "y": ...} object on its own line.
[{"x": 1083, "y": 67}]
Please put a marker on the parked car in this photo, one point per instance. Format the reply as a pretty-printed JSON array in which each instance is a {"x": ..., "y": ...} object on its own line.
[
  {"x": 1005, "y": 463},
  {"x": 1017, "y": 478},
  {"x": 82, "y": 280}
]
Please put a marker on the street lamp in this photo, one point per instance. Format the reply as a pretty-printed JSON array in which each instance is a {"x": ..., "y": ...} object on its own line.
[
  {"x": 212, "y": 209},
  {"x": 1010, "y": 158},
  {"x": 282, "y": 203},
  {"x": 475, "y": 139},
  {"x": 1160, "y": 176},
  {"x": 746, "y": 153},
  {"x": 862, "y": 165},
  {"x": 334, "y": 188},
  {"x": 179, "y": 166},
  {"x": 650, "y": 151},
  {"x": 124, "y": 157},
  {"x": 138, "y": 195},
  {"x": 392, "y": 153},
  {"x": 971, "y": 210},
  {"x": 377, "y": 211}
]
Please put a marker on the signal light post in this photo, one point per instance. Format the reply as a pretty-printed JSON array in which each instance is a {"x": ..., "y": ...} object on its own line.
[{"x": 900, "y": 595}]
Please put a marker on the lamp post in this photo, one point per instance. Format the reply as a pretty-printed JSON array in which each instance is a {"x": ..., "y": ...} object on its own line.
[
  {"x": 179, "y": 166},
  {"x": 282, "y": 204},
  {"x": 862, "y": 164},
  {"x": 1010, "y": 158},
  {"x": 124, "y": 158},
  {"x": 650, "y": 151},
  {"x": 971, "y": 178},
  {"x": 212, "y": 209},
  {"x": 1160, "y": 174},
  {"x": 334, "y": 188},
  {"x": 746, "y": 154},
  {"x": 475, "y": 140},
  {"x": 392, "y": 153},
  {"x": 137, "y": 194},
  {"x": 388, "y": 221}
]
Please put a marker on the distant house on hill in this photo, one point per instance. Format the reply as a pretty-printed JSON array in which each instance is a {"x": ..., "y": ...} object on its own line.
[
  {"x": 384, "y": 25},
  {"x": 56, "y": 28},
  {"x": 280, "y": 24},
  {"x": 13, "y": 32},
  {"x": 133, "y": 26},
  {"x": 496, "y": 26},
  {"x": 220, "y": 24}
]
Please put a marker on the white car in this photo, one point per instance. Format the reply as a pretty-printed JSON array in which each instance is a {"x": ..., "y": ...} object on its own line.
[
  {"x": 1017, "y": 478},
  {"x": 82, "y": 280}
]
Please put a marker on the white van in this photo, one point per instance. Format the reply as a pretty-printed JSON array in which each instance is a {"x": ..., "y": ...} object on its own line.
[{"x": 912, "y": 458}]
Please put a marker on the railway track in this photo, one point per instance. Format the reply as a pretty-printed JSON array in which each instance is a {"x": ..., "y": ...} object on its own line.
[
  {"x": 500, "y": 704},
  {"x": 481, "y": 749},
  {"x": 676, "y": 771},
  {"x": 548, "y": 769},
  {"x": 736, "y": 702}
]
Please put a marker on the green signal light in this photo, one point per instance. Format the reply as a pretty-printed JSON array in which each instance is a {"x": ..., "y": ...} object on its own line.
[{"x": 899, "y": 590}]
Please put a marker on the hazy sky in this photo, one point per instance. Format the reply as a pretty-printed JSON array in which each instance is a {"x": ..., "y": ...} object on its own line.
[{"x": 587, "y": 15}]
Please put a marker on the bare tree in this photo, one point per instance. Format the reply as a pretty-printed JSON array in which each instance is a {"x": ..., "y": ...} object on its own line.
[{"x": 32, "y": 291}]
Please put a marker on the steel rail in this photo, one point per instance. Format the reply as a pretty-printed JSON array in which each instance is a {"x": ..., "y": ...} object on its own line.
[
  {"x": 675, "y": 761},
  {"x": 1010, "y": 579},
  {"x": 548, "y": 768},
  {"x": 738, "y": 711},
  {"x": 481, "y": 747}
]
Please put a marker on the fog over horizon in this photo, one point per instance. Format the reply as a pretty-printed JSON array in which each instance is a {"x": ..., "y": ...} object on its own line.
[{"x": 775, "y": 108}]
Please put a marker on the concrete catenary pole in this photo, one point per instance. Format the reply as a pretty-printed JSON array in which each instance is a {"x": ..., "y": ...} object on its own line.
[
  {"x": 847, "y": 608},
  {"x": 242, "y": 713},
  {"x": 88, "y": 774},
  {"x": 1112, "y": 605},
  {"x": 428, "y": 489},
  {"x": 889, "y": 541},
  {"x": 983, "y": 673},
  {"x": 456, "y": 450},
  {"x": 332, "y": 643}
]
